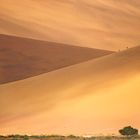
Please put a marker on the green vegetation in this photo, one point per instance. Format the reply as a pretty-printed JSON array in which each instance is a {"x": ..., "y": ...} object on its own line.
[
  {"x": 128, "y": 131},
  {"x": 71, "y": 137},
  {"x": 127, "y": 134}
]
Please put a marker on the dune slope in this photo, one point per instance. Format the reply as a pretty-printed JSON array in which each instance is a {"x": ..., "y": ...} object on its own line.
[
  {"x": 100, "y": 95},
  {"x": 22, "y": 58},
  {"x": 104, "y": 24}
]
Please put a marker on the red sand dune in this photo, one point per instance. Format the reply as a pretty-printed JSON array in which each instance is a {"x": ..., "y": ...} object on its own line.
[
  {"x": 98, "y": 96},
  {"x": 21, "y": 57}
]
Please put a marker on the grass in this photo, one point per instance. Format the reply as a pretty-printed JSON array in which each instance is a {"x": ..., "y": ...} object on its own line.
[{"x": 70, "y": 137}]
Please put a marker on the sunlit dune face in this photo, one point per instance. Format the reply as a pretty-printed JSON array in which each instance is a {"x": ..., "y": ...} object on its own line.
[
  {"x": 97, "y": 112},
  {"x": 99, "y": 96},
  {"x": 102, "y": 24}
]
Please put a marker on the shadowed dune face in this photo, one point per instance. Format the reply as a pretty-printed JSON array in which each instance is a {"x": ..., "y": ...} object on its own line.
[
  {"x": 22, "y": 58},
  {"x": 104, "y": 24},
  {"x": 85, "y": 98}
]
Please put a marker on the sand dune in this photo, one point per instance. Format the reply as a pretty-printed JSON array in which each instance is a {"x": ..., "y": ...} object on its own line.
[
  {"x": 104, "y": 24},
  {"x": 22, "y": 58},
  {"x": 100, "y": 95}
]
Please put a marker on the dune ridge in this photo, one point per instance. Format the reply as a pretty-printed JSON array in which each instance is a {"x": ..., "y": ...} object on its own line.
[{"x": 100, "y": 88}]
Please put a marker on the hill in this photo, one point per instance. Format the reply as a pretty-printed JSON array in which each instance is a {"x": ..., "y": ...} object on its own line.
[
  {"x": 98, "y": 96},
  {"x": 21, "y": 58}
]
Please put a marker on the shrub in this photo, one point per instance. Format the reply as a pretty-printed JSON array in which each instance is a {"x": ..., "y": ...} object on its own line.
[{"x": 128, "y": 131}]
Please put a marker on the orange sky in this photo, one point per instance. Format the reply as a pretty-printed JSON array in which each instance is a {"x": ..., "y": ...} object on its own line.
[{"x": 104, "y": 24}]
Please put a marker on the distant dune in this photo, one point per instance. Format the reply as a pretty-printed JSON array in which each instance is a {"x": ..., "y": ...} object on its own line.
[
  {"x": 104, "y": 24},
  {"x": 22, "y": 58},
  {"x": 95, "y": 96}
]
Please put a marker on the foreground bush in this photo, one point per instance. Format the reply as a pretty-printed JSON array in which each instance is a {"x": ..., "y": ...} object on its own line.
[{"x": 128, "y": 131}]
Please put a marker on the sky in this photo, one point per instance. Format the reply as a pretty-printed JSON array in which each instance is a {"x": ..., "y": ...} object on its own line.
[{"x": 104, "y": 24}]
